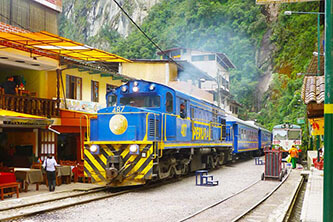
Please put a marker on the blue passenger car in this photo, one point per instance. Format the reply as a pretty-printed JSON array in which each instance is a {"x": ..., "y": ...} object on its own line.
[{"x": 247, "y": 137}]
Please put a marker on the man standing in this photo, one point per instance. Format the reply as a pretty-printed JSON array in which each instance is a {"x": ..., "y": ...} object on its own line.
[
  {"x": 294, "y": 155},
  {"x": 50, "y": 168}
]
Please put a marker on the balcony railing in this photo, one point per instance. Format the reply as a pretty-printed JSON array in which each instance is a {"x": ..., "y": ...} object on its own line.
[{"x": 30, "y": 105}]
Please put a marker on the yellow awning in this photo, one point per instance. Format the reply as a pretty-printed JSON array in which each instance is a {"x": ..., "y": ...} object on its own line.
[
  {"x": 61, "y": 46},
  {"x": 16, "y": 119}
]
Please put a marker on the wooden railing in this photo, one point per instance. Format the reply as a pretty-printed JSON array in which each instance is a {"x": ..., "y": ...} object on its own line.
[{"x": 30, "y": 105}]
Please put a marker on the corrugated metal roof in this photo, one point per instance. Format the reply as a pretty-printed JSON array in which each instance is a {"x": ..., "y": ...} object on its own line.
[{"x": 313, "y": 89}]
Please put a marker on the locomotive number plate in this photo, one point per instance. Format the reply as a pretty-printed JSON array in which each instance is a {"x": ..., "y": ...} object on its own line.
[{"x": 118, "y": 109}]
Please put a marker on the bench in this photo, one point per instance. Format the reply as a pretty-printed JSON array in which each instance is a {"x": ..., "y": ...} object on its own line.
[{"x": 6, "y": 189}]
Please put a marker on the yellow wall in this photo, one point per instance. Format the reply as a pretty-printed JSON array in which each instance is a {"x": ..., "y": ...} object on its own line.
[
  {"x": 151, "y": 71},
  {"x": 41, "y": 82},
  {"x": 86, "y": 84}
]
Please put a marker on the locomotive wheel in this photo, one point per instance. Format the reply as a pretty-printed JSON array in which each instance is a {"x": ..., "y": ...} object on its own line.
[{"x": 221, "y": 159}]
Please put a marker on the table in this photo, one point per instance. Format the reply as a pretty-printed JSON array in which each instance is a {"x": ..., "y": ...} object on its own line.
[
  {"x": 64, "y": 171},
  {"x": 29, "y": 176},
  {"x": 6, "y": 177}
]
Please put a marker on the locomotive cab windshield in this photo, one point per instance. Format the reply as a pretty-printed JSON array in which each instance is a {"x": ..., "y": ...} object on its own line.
[{"x": 149, "y": 101}]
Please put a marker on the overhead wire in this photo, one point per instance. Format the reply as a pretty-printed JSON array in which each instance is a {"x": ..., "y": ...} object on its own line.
[{"x": 138, "y": 27}]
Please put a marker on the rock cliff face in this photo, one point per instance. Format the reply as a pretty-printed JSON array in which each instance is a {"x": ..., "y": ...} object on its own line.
[
  {"x": 264, "y": 55},
  {"x": 98, "y": 14}
]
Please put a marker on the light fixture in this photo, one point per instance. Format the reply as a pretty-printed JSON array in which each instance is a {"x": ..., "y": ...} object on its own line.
[
  {"x": 134, "y": 149},
  {"x": 124, "y": 88},
  {"x": 316, "y": 54},
  {"x": 288, "y": 12},
  {"x": 135, "y": 83},
  {"x": 94, "y": 149},
  {"x": 152, "y": 87},
  {"x": 135, "y": 89}
]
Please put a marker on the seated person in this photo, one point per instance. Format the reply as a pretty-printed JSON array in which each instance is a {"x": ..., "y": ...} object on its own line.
[{"x": 9, "y": 86}]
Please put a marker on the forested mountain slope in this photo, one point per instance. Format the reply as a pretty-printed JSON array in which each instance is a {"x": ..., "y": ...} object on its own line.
[{"x": 266, "y": 46}]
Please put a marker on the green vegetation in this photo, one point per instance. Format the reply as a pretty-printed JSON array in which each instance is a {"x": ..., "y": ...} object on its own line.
[{"x": 234, "y": 27}]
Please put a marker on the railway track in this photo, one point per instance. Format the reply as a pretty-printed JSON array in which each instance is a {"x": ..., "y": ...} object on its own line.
[
  {"x": 239, "y": 204},
  {"x": 59, "y": 201}
]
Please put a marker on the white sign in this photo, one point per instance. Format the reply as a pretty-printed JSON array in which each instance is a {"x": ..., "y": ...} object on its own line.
[{"x": 53, "y": 4}]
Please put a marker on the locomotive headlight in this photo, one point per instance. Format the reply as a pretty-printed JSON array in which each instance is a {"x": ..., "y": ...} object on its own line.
[
  {"x": 134, "y": 149},
  {"x": 124, "y": 88},
  {"x": 94, "y": 148},
  {"x": 152, "y": 87},
  {"x": 135, "y": 83},
  {"x": 135, "y": 89}
]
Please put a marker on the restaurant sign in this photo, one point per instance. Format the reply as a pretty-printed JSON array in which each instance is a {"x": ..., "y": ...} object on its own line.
[
  {"x": 53, "y": 4},
  {"x": 283, "y": 1}
]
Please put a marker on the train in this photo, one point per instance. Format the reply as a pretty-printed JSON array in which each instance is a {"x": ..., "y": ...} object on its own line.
[
  {"x": 286, "y": 135},
  {"x": 149, "y": 132}
]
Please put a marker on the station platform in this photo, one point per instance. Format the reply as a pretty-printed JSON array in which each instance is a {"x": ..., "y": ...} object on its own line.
[
  {"x": 312, "y": 209},
  {"x": 43, "y": 193}
]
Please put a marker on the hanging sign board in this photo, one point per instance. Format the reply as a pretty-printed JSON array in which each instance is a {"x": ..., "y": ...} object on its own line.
[
  {"x": 283, "y": 1},
  {"x": 53, "y": 4},
  {"x": 317, "y": 126}
]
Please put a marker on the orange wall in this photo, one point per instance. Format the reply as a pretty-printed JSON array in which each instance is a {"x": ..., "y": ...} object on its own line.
[{"x": 26, "y": 138}]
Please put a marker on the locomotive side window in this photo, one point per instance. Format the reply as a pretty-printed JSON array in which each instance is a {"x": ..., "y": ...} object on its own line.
[
  {"x": 169, "y": 103},
  {"x": 112, "y": 100},
  {"x": 182, "y": 109}
]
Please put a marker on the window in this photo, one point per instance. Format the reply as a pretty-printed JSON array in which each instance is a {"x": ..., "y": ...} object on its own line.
[
  {"x": 141, "y": 101},
  {"x": 169, "y": 103},
  {"x": 211, "y": 57},
  {"x": 110, "y": 87},
  {"x": 175, "y": 54},
  {"x": 30, "y": 15},
  {"x": 94, "y": 91},
  {"x": 112, "y": 100},
  {"x": 198, "y": 58},
  {"x": 182, "y": 109},
  {"x": 73, "y": 87}
]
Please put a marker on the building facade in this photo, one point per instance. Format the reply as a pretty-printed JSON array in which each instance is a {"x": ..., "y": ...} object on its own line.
[
  {"x": 53, "y": 93},
  {"x": 216, "y": 65}
]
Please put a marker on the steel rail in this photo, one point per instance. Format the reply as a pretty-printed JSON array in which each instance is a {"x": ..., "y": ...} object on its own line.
[
  {"x": 60, "y": 206},
  {"x": 235, "y": 194},
  {"x": 293, "y": 201},
  {"x": 260, "y": 201},
  {"x": 219, "y": 202}
]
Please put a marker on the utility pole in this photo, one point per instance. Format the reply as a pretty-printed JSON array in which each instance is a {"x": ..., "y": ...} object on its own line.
[{"x": 328, "y": 116}]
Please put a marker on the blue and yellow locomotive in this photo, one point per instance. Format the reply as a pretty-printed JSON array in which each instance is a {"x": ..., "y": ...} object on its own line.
[{"x": 150, "y": 131}]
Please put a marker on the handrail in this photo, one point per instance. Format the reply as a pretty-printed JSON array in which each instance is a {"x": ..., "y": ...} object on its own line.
[{"x": 29, "y": 105}]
